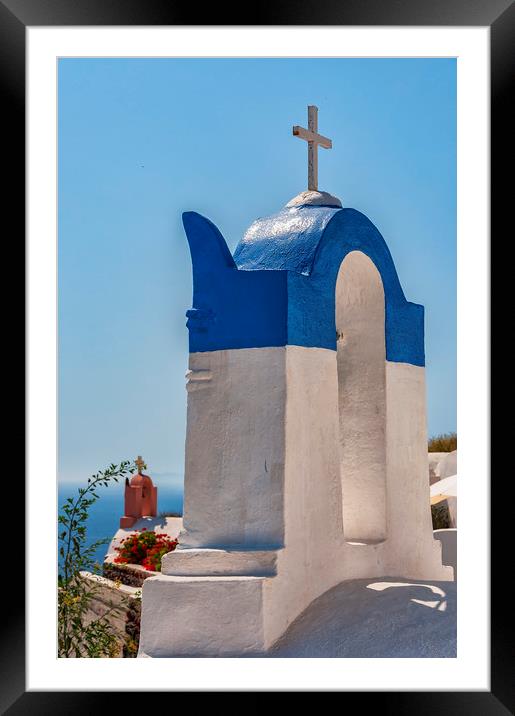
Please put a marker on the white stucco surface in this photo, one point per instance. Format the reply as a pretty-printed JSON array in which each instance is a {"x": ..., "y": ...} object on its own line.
[
  {"x": 317, "y": 555},
  {"x": 264, "y": 490},
  {"x": 449, "y": 539},
  {"x": 361, "y": 358},
  {"x": 433, "y": 460},
  {"x": 452, "y": 504},
  {"x": 449, "y": 465},
  {"x": 306, "y": 468},
  {"x": 219, "y": 562},
  {"x": 447, "y": 487},
  {"x": 442, "y": 465},
  {"x": 201, "y": 616},
  {"x": 235, "y": 449},
  {"x": 412, "y": 552},
  {"x": 386, "y": 618}
]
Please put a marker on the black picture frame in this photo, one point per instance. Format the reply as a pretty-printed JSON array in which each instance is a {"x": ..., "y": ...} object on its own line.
[{"x": 499, "y": 16}]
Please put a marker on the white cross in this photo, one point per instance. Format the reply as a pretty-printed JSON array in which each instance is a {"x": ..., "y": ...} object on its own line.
[{"x": 313, "y": 139}]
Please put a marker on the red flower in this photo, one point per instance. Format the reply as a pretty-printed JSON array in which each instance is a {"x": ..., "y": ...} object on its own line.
[{"x": 145, "y": 547}]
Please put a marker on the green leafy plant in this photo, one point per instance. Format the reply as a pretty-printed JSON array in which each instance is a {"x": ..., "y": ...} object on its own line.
[
  {"x": 79, "y": 635},
  {"x": 145, "y": 547}
]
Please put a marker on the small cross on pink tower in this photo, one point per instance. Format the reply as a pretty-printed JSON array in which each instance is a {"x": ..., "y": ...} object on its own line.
[
  {"x": 313, "y": 139},
  {"x": 140, "y": 464},
  {"x": 140, "y": 496}
]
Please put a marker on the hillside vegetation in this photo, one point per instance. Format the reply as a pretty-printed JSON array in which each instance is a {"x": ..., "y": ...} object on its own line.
[{"x": 443, "y": 443}]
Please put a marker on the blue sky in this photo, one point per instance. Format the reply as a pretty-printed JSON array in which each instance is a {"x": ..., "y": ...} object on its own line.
[{"x": 142, "y": 140}]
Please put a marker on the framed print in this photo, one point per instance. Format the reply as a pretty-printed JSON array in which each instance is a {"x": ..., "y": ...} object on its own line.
[{"x": 280, "y": 522}]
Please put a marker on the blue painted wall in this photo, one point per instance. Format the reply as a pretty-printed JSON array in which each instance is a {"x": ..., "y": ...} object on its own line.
[
  {"x": 279, "y": 288},
  {"x": 231, "y": 308}
]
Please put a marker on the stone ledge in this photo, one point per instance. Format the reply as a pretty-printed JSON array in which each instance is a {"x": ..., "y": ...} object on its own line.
[
  {"x": 132, "y": 575},
  {"x": 219, "y": 563},
  {"x": 209, "y": 616},
  {"x": 105, "y": 584}
]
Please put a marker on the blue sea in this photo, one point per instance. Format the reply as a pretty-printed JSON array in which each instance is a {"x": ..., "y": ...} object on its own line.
[{"x": 104, "y": 515}]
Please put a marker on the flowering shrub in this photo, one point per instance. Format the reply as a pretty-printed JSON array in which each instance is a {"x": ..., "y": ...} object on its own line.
[{"x": 145, "y": 547}]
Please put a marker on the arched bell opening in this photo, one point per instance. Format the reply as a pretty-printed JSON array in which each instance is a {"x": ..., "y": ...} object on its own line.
[{"x": 361, "y": 358}]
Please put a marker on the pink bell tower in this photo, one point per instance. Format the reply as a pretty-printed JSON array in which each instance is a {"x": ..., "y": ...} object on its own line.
[{"x": 140, "y": 497}]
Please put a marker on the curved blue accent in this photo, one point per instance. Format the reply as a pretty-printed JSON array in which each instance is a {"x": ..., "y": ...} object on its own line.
[
  {"x": 231, "y": 308},
  {"x": 279, "y": 289}
]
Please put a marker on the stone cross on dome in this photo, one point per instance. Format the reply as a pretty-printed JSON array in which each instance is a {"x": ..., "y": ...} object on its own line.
[
  {"x": 313, "y": 139},
  {"x": 140, "y": 464}
]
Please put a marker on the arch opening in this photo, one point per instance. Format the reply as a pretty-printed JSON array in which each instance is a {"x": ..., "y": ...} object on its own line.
[{"x": 361, "y": 365}]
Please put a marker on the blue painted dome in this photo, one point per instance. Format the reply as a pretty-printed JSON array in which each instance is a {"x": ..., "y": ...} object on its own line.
[{"x": 286, "y": 241}]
